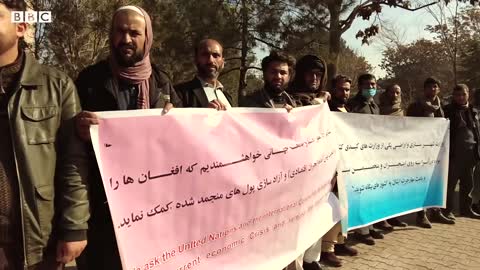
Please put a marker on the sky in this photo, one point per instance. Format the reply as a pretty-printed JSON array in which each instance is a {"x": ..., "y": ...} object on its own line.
[{"x": 410, "y": 24}]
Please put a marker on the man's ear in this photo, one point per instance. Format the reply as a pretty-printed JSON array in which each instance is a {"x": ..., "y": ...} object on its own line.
[{"x": 21, "y": 29}]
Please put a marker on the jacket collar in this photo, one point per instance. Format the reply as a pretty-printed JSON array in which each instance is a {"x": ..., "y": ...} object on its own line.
[
  {"x": 32, "y": 72},
  {"x": 199, "y": 92}
]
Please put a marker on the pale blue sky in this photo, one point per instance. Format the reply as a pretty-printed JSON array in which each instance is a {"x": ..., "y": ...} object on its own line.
[{"x": 412, "y": 24}]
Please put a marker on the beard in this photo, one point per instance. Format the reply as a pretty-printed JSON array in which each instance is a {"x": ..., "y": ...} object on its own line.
[
  {"x": 396, "y": 100},
  {"x": 313, "y": 87},
  {"x": 128, "y": 61},
  {"x": 340, "y": 100},
  {"x": 206, "y": 72},
  {"x": 275, "y": 89}
]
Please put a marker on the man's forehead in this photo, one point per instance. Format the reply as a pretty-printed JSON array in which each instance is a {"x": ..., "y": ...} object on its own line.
[
  {"x": 3, "y": 8},
  {"x": 279, "y": 65},
  {"x": 129, "y": 19},
  {"x": 211, "y": 47}
]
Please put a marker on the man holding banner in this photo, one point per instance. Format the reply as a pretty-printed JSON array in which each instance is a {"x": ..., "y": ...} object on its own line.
[
  {"x": 464, "y": 150},
  {"x": 205, "y": 90},
  {"x": 429, "y": 105},
  {"x": 364, "y": 103},
  {"x": 127, "y": 80},
  {"x": 277, "y": 68}
]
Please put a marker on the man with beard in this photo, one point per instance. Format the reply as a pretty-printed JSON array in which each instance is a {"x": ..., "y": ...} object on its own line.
[
  {"x": 125, "y": 81},
  {"x": 391, "y": 104},
  {"x": 43, "y": 166},
  {"x": 391, "y": 101},
  {"x": 464, "y": 150},
  {"x": 277, "y": 69},
  {"x": 429, "y": 105},
  {"x": 205, "y": 90},
  {"x": 310, "y": 81},
  {"x": 307, "y": 89},
  {"x": 340, "y": 93}
]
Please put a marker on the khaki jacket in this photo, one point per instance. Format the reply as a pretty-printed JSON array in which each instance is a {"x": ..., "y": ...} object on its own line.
[{"x": 50, "y": 160}]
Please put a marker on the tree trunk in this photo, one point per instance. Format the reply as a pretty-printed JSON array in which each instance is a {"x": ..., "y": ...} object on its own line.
[
  {"x": 335, "y": 35},
  {"x": 242, "y": 83}
]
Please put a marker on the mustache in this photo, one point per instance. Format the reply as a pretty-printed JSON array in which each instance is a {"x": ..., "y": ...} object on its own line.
[
  {"x": 127, "y": 46},
  {"x": 211, "y": 66}
]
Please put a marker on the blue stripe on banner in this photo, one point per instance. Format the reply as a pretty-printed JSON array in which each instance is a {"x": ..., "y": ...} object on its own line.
[{"x": 391, "y": 195}]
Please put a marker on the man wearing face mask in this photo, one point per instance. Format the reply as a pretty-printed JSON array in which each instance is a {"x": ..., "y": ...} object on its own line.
[
  {"x": 464, "y": 150},
  {"x": 363, "y": 102},
  {"x": 127, "y": 80},
  {"x": 308, "y": 86},
  {"x": 205, "y": 90},
  {"x": 277, "y": 69}
]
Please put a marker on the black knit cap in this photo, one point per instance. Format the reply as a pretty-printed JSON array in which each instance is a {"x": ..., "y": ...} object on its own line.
[{"x": 309, "y": 62}]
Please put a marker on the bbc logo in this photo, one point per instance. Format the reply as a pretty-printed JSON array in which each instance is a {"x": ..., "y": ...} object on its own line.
[{"x": 31, "y": 16}]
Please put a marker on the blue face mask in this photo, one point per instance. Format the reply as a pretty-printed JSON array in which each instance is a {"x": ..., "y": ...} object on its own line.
[{"x": 369, "y": 93}]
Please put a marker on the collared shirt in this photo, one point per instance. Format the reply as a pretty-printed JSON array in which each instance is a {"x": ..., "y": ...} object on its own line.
[
  {"x": 215, "y": 92},
  {"x": 342, "y": 109}
]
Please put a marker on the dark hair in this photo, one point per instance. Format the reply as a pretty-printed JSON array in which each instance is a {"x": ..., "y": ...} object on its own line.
[
  {"x": 279, "y": 57},
  {"x": 202, "y": 43},
  {"x": 18, "y": 5},
  {"x": 341, "y": 78},
  {"x": 365, "y": 77},
  {"x": 430, "y": 81},
  {"x": 461, "y": 87}
]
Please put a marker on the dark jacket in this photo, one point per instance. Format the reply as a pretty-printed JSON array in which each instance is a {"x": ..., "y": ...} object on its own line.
[
  {"x": 261, "y": 99},
  {"x": 51, "y": 162},
  {"x": 473, "y": 124},
  {"x": 334, "y": 105},
  {"x": 192, "y": 95},
  {"x": 95, "y": 88},
  {"x": 359, "y": 104},
  {"x": 419, "y": 109}
]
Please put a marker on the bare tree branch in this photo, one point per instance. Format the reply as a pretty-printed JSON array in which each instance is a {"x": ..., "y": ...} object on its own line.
[{"x": 268, "y": 43}]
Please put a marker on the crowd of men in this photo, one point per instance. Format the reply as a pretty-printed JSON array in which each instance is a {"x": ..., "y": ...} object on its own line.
[{"x": 47, "y": 213}]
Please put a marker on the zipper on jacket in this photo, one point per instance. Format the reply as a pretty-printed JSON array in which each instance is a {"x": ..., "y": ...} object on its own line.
[{"x": 20, "y": 189}]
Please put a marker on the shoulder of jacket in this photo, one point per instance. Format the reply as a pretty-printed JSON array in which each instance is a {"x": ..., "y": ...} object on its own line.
[
  {"x": 161, "y": 76},
  {"x": 54, "y": 73},
  {"x": 186, "y": 85},
  {"x": 96, "y": 70}
]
